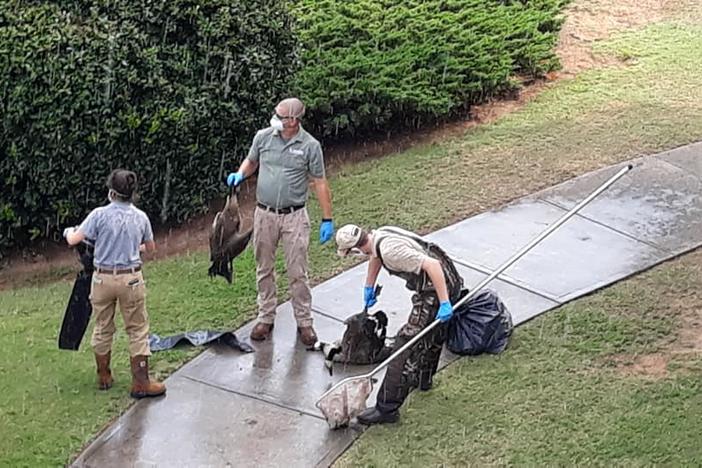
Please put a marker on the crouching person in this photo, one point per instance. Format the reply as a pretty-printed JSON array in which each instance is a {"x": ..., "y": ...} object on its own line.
[
  {"x": 118, "y": 230},
  {"x": 427, "y": 271}
]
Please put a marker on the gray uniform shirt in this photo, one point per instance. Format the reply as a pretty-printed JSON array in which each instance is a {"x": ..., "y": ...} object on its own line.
[
  {"x": 285, "y": 167},
  {"x": 118, "y": 230}
]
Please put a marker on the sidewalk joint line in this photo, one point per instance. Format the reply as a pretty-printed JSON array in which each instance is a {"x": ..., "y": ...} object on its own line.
[
  {"x": 610, "y": 228},
  {"x": 263, "y": 400},
  {"x": 505, "y": 279},
  {"x": 319, "y": 311},
  {"x": 659, "y": 158}
]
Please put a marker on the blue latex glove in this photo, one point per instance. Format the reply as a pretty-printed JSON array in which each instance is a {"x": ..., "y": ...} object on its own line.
[
  {"x": 234, "y": 179},
  {"x": 326, "y": 231},
  {"x": 445, "y": 311},
  {"x": 369, "y": 299}
]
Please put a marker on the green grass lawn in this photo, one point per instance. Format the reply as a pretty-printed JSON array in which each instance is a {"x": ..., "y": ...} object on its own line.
[
  {"x": 574, "y": 388},
  {"x": 556, "y": 397},
  {"x": 566, "y": 392}
]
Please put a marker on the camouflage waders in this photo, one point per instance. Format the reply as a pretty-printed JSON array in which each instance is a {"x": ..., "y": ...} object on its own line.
[{"x": 416, "y": 366}]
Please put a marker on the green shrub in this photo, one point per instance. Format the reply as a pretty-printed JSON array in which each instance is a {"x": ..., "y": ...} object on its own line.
[
  {"x": 373, "y": 65},
  {"x": 173, "y": 90}
]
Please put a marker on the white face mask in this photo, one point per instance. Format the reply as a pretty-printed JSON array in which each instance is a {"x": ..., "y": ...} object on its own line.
[
  {"x": 276, "y": 123},
  {"x": 356, "y": 252}
]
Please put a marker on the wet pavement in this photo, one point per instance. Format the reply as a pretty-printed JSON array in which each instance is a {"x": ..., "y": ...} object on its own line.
[{"x": 226, "y": 408}]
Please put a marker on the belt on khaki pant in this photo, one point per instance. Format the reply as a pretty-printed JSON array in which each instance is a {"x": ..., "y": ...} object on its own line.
[
  {"x": 118, "y": 271},
  {"x": 286, "y": 210}
]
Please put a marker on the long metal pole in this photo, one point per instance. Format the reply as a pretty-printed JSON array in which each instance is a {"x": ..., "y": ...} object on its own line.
[{"x": 492, "y": 276}]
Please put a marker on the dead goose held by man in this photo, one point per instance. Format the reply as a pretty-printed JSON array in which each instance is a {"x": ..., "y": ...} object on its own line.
[{"x": 227, "y": 238}]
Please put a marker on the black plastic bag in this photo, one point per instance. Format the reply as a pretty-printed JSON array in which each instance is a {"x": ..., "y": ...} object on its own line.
[
  {"x": 78, "y": 311},
  {"x": 198, "y": 338},
  {"x": 482, "y": 325}
]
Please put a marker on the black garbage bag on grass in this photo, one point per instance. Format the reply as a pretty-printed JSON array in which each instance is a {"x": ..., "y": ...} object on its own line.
[
  {"x": 198, "y": 338},
  {"x": 482, "y": 325}
]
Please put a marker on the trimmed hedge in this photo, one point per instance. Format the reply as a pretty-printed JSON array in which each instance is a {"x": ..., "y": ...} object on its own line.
[
  {"x": 372, "y": 65},
  {"x": 173, "y": 90}
]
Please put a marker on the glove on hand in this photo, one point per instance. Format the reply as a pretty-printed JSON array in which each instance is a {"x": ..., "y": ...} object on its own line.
[
  {"x": 326, "y": 230},
  {"x": 445, "y": 311},
  {"x": 369, "y": 296},
  {"x": 234, "y": 179}
]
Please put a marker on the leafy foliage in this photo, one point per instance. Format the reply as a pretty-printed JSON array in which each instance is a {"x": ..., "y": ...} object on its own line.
[
  {"x": 374, "y": 65},
  {"x": 172, "y": 90},
  {"x": 175, "y": 90}
]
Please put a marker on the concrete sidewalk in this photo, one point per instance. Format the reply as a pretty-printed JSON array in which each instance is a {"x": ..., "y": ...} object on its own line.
[{"x": 225, "y": 408}]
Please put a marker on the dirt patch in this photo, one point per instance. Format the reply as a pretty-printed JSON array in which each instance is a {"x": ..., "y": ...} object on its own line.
[
  {"x": 652, "y": 366},
  {"x": 679, "y": 297},
  {"x": 686, "y": 303},
  {"x": 587, "y": 21},
  {"x": 687, "y": 306}
]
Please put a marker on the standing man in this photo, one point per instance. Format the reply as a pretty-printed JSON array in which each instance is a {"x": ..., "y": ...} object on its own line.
[
  {"x": 286, "y": 157},
  {"x": 119, "y": 230},
  {"x": 427, "y": 271}
]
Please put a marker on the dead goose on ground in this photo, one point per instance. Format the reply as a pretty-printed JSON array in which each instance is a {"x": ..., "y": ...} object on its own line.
[{"x": 227, "y": 239}]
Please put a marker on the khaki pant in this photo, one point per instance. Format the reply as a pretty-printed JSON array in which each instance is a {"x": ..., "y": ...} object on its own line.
[
  {"x": 129, "y": 289},
  {"x": 293, "y": 230}
]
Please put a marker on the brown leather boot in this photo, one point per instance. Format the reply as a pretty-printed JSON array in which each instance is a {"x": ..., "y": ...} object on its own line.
[
  {"x": 307, "y": 335},
  {"x": 105, "y": 380},
  {"x": 261, "y": 331},
  {"x": 142, "y": 386}
]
